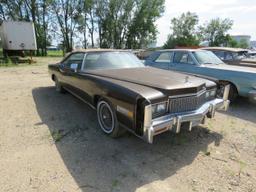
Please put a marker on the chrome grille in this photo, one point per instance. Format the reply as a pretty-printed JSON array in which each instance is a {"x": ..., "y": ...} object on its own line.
[{"x": 186, "y": 103}]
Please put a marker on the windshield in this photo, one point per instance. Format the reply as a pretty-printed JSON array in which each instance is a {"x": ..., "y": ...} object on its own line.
[
  {"x": 206, "y": 57},
  {"x": 111, "y": 60}
]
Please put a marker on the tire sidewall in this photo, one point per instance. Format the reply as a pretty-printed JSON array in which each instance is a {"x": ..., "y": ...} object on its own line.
[
  {"x": 113, "y": 115},
  {"x": 58, "y": 86}
]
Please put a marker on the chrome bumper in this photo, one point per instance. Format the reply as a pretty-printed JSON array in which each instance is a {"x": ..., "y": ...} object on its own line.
[
  {"x": 252, "y": 96},
  {"x": 173, "y": 122}
]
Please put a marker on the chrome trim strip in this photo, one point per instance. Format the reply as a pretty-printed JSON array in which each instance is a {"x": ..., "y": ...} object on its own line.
[
  {"x": 79, "y": 98},
  {"x": 189, "y": 95},
  {"x": 147, "y": 124},
  {"x": 83, "y": 64}
]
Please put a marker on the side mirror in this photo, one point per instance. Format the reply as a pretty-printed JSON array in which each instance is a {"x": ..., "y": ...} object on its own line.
[{"x": 74, "y": 66}]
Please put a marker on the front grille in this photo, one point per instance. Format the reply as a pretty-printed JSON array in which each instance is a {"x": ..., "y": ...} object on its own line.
[{"x": 186, "y": 103}]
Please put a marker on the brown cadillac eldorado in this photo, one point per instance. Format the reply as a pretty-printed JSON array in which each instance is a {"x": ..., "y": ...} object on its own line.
[{"x": 130, "y": 96}]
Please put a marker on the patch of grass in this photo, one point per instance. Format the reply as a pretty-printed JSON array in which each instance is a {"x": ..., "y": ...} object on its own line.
[
  {"x": 242, "y": 165},
  {"x": 230, "y": 171},
  {"x": 55, "y": 53},
  {"x": 180, "y": 139},
  {"x": 57, "y": 136},
  {"x": 115, "y": 183},
  {"x": 206, "y": 152},
  {"x": 210, "y": 126}
]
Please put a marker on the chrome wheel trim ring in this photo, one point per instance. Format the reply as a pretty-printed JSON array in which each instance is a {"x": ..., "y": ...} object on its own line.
[{"x": 100, "y": 108}]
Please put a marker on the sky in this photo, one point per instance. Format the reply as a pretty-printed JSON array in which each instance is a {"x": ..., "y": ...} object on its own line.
[{"x": 242, "y": 12}]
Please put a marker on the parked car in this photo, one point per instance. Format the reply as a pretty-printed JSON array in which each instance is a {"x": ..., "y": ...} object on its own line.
[
  {"x": 252, "y": 54},
  {"x": 202, "y": 62},
  {"x": 233, "y": 56},
  {"x": 126, "y": 94}
]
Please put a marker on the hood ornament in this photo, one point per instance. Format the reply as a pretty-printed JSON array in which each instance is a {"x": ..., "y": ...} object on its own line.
[{"x": 186, "y": 79}]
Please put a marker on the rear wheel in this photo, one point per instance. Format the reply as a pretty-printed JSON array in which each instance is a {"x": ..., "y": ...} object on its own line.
[{"x": 107, "y": 119}]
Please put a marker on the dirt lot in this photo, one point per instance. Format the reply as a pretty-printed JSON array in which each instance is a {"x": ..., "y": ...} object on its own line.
[{"x": 52, "y": 142}]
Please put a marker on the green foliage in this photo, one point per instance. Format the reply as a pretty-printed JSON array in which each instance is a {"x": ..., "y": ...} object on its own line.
[
  {"x": 128, "y": 23},
  {"x": 184, "y": 31},
  {"x": 55, "y": 53},
  {"x": 57, "y": 136},
  {"x": 243, "y": 44},
  {"x": 231, "y": 42},
  {"x": 215, "y": 31}
]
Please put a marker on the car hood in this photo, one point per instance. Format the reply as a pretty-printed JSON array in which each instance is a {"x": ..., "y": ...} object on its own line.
[
  {"x": 153, "y": 77},
  {"x": 232, "y": 68}
]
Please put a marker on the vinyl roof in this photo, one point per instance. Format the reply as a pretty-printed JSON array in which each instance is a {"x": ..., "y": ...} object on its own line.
[
  {"x": 100, "y": 50},
  {"x": 224, "y": 49}
]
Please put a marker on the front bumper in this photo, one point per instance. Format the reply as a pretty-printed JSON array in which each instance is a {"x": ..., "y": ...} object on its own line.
[
  {"x": 252, "y": 96},
  {"x": 173, "y": 122}
]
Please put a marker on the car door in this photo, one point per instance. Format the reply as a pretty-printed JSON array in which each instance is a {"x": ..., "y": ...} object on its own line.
[
  {"x": 162, "y": 61},
  {"x": 184, "y": 62},
  {"x": 68, "y": 71},
  {"x": 84, "y": 83}
]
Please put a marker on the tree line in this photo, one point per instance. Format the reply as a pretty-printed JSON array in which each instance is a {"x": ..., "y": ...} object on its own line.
[
  {"x": 103, "y": 23},
  {"x": 186, "y": 32}
]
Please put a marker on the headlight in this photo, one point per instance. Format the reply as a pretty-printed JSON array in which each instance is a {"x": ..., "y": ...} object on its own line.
[
  {"x": 210, "y": 93},
  {"x": 159, "y": 109}
]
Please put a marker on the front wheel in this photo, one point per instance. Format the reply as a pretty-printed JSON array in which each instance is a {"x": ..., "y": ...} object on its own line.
[
  {"x": 232, "y": 92},
  {"x": 107, "y": 119},
  {"x": 58, "y": 86}
]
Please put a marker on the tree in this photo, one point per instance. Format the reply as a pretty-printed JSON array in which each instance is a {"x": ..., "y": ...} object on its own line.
[
  {"x": 184, "y": 31},
  {"x": 215, "y": 31},
  {"x": 243, "y": 44},
  {"x": 66, "y": 13},
  {"x": 142, "y": 30},
  {"x": 111, "y": 23}
]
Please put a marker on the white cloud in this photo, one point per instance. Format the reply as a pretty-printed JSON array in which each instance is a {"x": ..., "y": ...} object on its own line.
[{"x": 243, "y": 13}]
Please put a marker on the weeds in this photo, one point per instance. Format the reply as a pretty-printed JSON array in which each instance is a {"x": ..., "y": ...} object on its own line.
[
  {"x": 57, "y": 136},
  {"x": 242, "y": 165},
  {"x": 206, "y": 152}
]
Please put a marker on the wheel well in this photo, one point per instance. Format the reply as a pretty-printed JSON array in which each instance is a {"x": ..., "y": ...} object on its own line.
[
  {"x": 228, "y": 82},
  {"x": 96, "y": 99},
  {"x": 53, "y": 77}
]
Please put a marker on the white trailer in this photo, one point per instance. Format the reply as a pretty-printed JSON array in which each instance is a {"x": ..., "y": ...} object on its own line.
[{"x": 18, "y": 36}]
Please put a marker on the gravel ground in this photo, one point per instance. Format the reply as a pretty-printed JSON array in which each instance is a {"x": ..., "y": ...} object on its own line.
[{"x": 52, "y": 142}]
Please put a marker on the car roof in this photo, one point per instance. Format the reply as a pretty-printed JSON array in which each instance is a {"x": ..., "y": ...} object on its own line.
[
  {"x": 224, "y": 49},
  {"x": 165, "y": 50},
  {"x": 99, "y": 50}
]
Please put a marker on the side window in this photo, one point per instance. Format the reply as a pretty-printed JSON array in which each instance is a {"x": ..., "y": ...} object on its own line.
[
  {"x": 164, "y": 58},
  {"x": 228, "y": 56},
  {"x": 182, "y": 57},
  {"x": 93, "y": 61},
  {"x": 75, "y": 58},
  {"x": 220, "y": 54}
]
